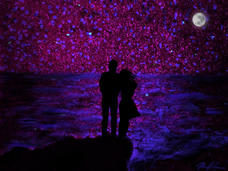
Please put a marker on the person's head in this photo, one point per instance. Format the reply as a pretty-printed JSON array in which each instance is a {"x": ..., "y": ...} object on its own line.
[
  {"x": 112, "y": 65},
  {"x": 126, "y": 75}
]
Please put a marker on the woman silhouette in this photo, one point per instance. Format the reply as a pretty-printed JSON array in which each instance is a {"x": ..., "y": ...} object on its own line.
[{"x": 127, "y": 107}]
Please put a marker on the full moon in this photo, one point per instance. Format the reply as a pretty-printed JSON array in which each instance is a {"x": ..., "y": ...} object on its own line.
[{"x": 199, "y": 19}]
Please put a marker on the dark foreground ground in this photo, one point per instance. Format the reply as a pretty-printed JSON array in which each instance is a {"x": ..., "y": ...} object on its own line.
[
  {"x": 71, "y": 154},
  {"x": 183, "y": 123}
]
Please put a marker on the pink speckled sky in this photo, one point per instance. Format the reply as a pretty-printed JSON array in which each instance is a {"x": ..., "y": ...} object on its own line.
[{"x": 151, "y": 36}]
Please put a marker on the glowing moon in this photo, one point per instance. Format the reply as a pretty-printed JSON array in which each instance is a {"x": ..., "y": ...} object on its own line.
[{"x": 199, "y": 19}]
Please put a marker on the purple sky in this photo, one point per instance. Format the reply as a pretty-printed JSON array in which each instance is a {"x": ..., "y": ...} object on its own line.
[{"x": 149, "y": 36}]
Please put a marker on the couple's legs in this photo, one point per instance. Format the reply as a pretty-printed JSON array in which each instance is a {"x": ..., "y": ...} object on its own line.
[
  {"x": 124, "y": 121},
  {"x": 104, "y": 123},
  {"x": 113, "y": 118},
  {"x": 123, "y": 127},
  {"x": 105, "y": 111}
]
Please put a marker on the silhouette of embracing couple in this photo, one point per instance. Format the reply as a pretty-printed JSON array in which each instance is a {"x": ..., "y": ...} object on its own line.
[{"x": 111, "y": 84}]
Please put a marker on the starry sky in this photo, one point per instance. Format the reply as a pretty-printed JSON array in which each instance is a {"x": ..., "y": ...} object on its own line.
[{"x": 145, "y": 36}]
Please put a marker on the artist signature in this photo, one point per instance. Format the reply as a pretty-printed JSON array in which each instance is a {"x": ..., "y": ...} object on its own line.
[{"x": 212, "y": 165}]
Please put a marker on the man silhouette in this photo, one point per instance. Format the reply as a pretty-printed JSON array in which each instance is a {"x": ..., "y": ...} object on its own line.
[{"x": 109, "y": 87}]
